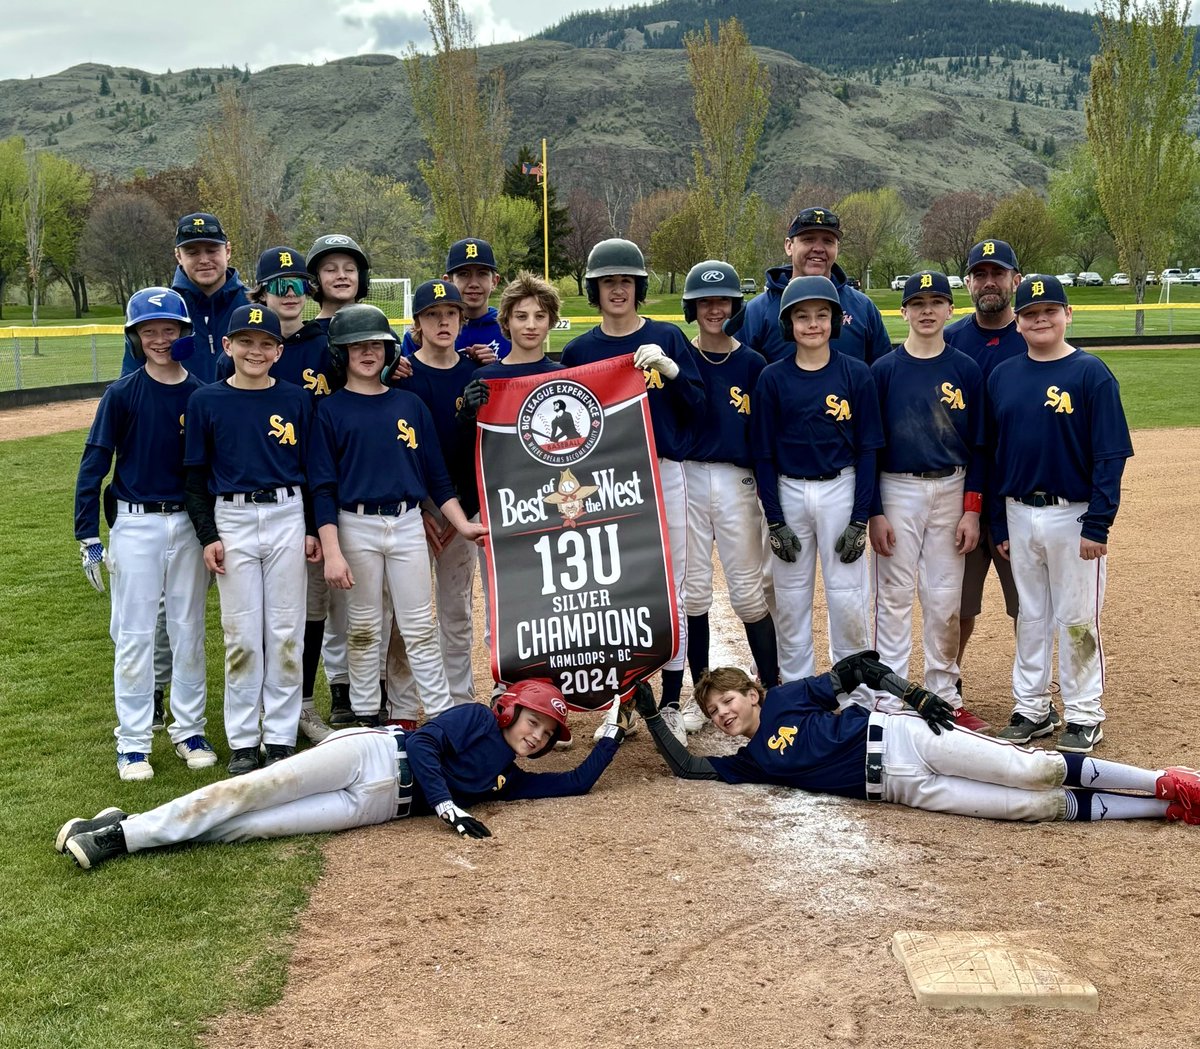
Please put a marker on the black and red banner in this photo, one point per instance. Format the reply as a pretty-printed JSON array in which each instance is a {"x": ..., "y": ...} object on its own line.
[{"x": 579, "y": 573}]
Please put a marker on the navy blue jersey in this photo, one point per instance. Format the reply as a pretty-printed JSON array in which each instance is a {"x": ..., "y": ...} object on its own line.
[
  {"x": 210, "y": 321},
  {"x": 863, "y": 334},
  {"x": 801, "y": 743},
  {"x": 305, "y": 361},
  {"x": 987, "y": 347},
  {"x": 812, "y": 423},
  {"x": 933, "y": 413},
  {"x": 723, "y": 431},
  {"x": 675, "y": 404},
  {"x": 248, "y": 439},
  {"x": 440, "y": 389},
  {"x": 461, "y": 756},
  {"x": 1058, "y": 427},
  {"x": 517, "y": 371},
  {"x": 141, "y": 421},
  {"x": 374, "y": 448}
]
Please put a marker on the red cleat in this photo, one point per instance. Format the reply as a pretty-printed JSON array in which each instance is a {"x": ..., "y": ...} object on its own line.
[
  {"x": 1176, "y": 813},
  {"x": 963, "y": 718},
  {"x": 1180, "y": 785}
]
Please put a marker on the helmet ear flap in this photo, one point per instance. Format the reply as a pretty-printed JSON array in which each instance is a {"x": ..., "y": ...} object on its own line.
[
  {"x": 641, "y": 286},
  {"x": 135, "y": 344},
  {"x": 592, "y": 287},
  {"x": 689, "y": 311}
]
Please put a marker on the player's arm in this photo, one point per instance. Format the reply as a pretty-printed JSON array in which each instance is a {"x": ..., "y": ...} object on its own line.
[
  {"x": 1102, "y": 508},
  {"x": 436, "y": 744},
  {"x": 200, "y": 505},
  {"x": 866, "y": 668},
  {"x": 93, "y": 468},
  {"x": 679, "y": 760}
]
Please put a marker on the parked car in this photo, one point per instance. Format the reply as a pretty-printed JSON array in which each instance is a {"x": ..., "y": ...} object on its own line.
[
  {"x": 1172, "y": 275},
  {"x": 1089, "y": 279},
  {"x": 898, "y": 281},
  {"x": 1119, "y": 280},
  {"x": 1192, "y": 276},
  {"x": 955, "y": 281},
  {"x": 1151, "y": 277},
  {"x": 854, "y": 282},
  {"x": 749, "y": 286},
  {"x": 1067, "y": 280}
]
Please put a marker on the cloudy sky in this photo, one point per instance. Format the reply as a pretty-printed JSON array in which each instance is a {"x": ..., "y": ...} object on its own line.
[{"x": 51, "y": 35}]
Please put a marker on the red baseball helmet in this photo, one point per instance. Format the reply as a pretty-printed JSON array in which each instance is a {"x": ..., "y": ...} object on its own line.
[{"x": 538, "y": 695}]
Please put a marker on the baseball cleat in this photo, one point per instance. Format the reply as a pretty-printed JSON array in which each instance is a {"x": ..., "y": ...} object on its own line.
[
  {"x": 134, "y": 766},
  {"x": 963, "y": 718},
  {"x": 1176, "y": 813},
  {"x": 693, "y": 718},
  {"x": 197, "y": 752},
  {"x": 312, "y": 727},
  {"x": 1181, "y": 785},
  {"x": 341, "y": 714},
  {"x": 276, "y": 752},
  {"x": 243, "y": 760},
  {"x": 159, "y": 721},
  {"x": 1021, "y": 729},
  {"x": 103, "y": 818},
  {"x": 564, "y": 744},
  {"x": 92, "y": 847},
  {"x": 1080, "y": 739},
  {"x": 673, "y": 718}
]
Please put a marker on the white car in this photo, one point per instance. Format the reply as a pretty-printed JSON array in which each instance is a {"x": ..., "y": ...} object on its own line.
[
  {"x": 1067, "y": 280},
  {"x": 1172, "y": 275},
  {"x": 955, "y": 280},
  {"x": 898, "y": 281},
  {"x": 1089, "y": 279},
  {"x": 1192, "y": 276},
  {"x": 1119, "y": 280}
]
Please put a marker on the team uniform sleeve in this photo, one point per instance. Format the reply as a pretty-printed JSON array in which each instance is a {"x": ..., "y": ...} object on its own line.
[
  {"x": 1106, "y": 495},
  {"x": 679, "y": 760},
  {"x": 993, "y": 501},
  {"x": 977, "y": 462},
  {"x": 200, "y": 503},
  {"x": 522, "y": 785},
  {"x": 687, "y": 388},
  {"x": 322, "y": 469},
  {"x": 1111, "y": 446},
  {"x": 431, "y": 747},
  {"x": 94, "y": 466},
  {"x": 766, "y": 473},
  {"x": 433, "y": 462},
  {"x": 868, "y": 433}
]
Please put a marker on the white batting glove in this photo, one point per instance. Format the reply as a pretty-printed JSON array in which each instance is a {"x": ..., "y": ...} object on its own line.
[
  {"x": 461, "y": 820},
  {"x": 652, "y": 357},
  {"x": 91, "y": 553}
]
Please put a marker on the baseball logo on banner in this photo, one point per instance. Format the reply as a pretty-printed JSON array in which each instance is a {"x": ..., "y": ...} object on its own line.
[{"x": 578, "y": 566}]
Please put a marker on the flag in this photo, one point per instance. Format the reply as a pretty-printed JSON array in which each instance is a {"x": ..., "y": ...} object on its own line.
[{"x": 531, "y": 169}]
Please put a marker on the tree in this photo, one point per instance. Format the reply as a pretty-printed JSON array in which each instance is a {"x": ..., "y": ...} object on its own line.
[
  {"x": 588, "y": 225},
  {"x": 68, "y": 198},
  {"x": 518, "y": 184},
  {"x": 177, "y": 190},
  {"x": 1075, "y": 205},
  {"x": 241, "y": 179},
  {"x": 123, "y": 242},
  {"x": 12, "y": 196},
  {"x": 1143, "y": 87},
  {"x": 104, "y": 88},
  {"x": 874, "y": 222},
  {"x": 677, "y": 244},
  {"x": 731, "y": 89},
  {"x": 1024, "y": 220},
  {"x": 380, "y": 214},
  {"x": 34, "y": 213},
  {"x": 948, "y": 227},
  {"x": 513, "y": 222},
  {"x": 464, "y": 119}
]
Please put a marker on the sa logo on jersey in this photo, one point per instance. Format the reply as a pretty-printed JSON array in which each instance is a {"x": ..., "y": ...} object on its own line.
[
  {"x": 407, "y": 434},
  {"x": 782, "y": 739},
  {"x": 952, "y": 396},
  {"x": 500, "y": 781},
  {"x": 654, "y": 381},
  {"x": 838, "y": 407},
  {"x": 181, "y": 422},
  {"x": 284, "y": 432},
  {"x": 740, "y": 401},
  {"x": 1059, "y": 400},
  {"x": 315, "y": 382}
]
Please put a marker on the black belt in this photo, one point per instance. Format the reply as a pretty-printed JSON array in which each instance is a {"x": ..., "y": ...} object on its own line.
[
  {"x": 161, "y": 507},
  {"x": 263, "y": 495},
  {"x": 404, "y": 778},
  {"x": 874, "y": 771},
  {"x": 935, "y": 475},
  {"x": 380, "y": 509},
  {"x": 1042, "y": 499},
  {"x": 818, "y": 477}
]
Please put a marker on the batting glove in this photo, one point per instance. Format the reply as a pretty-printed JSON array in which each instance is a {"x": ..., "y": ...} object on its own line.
[
  {"x": 861, "y": 668},
  {"x": 784, "y": 543},
  {"x": 652, "y": 357},
  {"x": 938, "y": 714},
  {"x": 618, "y": 721},
  {"x": 643, "y": 699},
  {"x": 852, "y": 542},
  {"x": 474, "y": 396},
  {"x": 461, "y": 820},
  {"x": 91, "y": 552}
]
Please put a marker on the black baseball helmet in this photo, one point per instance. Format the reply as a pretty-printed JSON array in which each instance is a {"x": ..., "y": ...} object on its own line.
[
  {"x": 801, "y": 289},
  {"x": 330, "y": 244},
  {"x": 711, "y": 279},
  {"x": 612, "y": 258},
  {"x": 361, "y": 322}
]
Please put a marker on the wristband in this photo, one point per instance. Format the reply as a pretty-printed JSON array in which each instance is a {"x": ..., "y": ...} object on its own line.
[{"x": 972, "y": 503}]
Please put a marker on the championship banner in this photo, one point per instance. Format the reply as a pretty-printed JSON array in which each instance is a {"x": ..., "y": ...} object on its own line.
[{"x": 578, "y": 566}]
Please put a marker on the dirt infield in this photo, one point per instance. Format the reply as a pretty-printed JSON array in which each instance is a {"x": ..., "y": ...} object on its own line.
[{"x": 660, "y": 913}]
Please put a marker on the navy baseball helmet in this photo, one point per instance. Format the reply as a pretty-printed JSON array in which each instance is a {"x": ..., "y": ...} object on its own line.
[
  {"x": 339, "y": 243},
  {"x": 435, "y": 293},
  {"x": 199, "y": 227},
  {"x": 1038, "y": 288},
  {"x": 255, "y": 318},
  {"x": 802, "y": 289},
  {"x": 538, "y": 695},
  {"x": 711, "y": 279},
  {"x": 280, "y": 262},
  {"x": 616, "y": 257},
  {"x": 470, "y": 252},
  {"x": 360, "y": 322},
  {"x": 154, "y": 304},
  {"x": 996, "y": 251},
  {"x": 815, "y": 218},
  {"x": 927, "y": 282}
]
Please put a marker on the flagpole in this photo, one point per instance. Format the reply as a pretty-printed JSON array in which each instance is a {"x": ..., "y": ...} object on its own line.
[{"x": 545, "y": 213}]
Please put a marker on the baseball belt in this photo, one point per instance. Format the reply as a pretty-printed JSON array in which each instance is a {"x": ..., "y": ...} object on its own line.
[
  {"x": 1040, "y": 499},
  {"x": 404, "y": 779},
  {"x": 874, "y": 765}
]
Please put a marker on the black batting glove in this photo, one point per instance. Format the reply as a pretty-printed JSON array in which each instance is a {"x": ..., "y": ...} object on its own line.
[
  {"x": 474, "y": 396},
  {"x": 938, "y": 714},
  {"x": 784, "y": 543},
  {"x": 462, "y": 821},
  {"x": 861, "y": 668},
  {"x": 644, "y": 701},
  {"x": 852, "y": 542}
]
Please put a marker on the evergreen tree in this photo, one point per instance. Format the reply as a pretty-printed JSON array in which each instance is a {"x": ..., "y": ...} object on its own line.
[
  {"x": 527, "y": 187},
  {"x": 104, "y": 88}
]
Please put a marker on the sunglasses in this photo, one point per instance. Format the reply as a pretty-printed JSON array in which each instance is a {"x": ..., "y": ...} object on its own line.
[
  {"x": 280, "y": 286},
  {"x": 202, "y": 229}
]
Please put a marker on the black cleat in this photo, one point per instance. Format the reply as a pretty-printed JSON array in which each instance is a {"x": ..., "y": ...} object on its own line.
[
  {"x": 276, "y": 752},
  {"x": 243, "y": 760},
  {"x": 341, "y": 714},
  {"x": 103, "y": 818},
  {"x": 92, "y": 847}
]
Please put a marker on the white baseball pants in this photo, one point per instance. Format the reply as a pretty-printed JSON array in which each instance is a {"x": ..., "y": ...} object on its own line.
[{"x": 674, "y": 492}]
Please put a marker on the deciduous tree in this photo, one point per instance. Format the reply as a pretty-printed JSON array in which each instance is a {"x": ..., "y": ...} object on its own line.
[
  {"x": 123, "y": 239},
  {"x": 1025, "y": 221},
  {"x": 874, "y": 222},
  {"x": 589, "y": 224},
  {"x": 1075, "y": 205},
  {"x": 513, "y": 222},
  {"x": 948, "y": 227}
]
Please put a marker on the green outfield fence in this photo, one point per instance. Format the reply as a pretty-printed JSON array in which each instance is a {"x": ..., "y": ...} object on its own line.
[{"x": 65, "y": 361}]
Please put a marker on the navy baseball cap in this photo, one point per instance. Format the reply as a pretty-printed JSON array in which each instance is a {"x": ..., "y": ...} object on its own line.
[
  {"x": 1038, "y": 288},
  {"x": 280, "y": 262},
  {"x": 815, "y": 218},
  {"x": 255, "y": 318},
  {"x": 435, "y": 293},
  {"x": 470, "y": 252},
  {"x": 199, "y": 227},
  {"x": 927, "y": 282},
  {"x": 995, "y": 251}
]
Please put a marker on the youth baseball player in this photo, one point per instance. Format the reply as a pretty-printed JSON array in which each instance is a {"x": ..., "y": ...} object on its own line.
[
  {"x": 617, "y": 283},
  {"x": 988, "y": 336},
  {"x": 811, "y": 245},
  {"x": 1058, "y": 429},
  {"x": 815, "y": 430},
  {"x": 246, "y": 442},
  {"x": 363, "y": 776},
  {"x": 797, "y": 738},
  {"x": 153, "y": 555},
  {"x": 925, "y": 518},
  {"x": 722, "y": 500}
]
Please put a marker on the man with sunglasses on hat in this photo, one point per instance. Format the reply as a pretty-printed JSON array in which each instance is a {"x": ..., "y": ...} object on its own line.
[{"x": 211, "y": 288}]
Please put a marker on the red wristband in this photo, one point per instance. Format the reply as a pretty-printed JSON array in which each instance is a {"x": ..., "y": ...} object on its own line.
[{"x": 972, "y": 503}]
